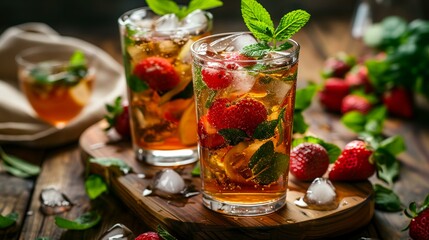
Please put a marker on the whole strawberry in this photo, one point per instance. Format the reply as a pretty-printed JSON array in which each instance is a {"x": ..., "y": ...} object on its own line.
[
  {"x": 419, "y": 225},
  {"x": 353, "y": 164},
  {"x": 332, "y": 94},
  {"x": 118, "y": 117},
  {"x": 355, "y": 103},
  {"x": 338, "y": 66},
  {"x": 308, "y": 161},
  {"x": 148, "y": 236},
  {"x": 358, "y": 78},
  {"x": 158, "y": 73},
  {"x": 399, "y": 102}
]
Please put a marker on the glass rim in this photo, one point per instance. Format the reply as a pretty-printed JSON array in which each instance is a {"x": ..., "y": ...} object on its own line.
[
  {"x": 21, "y": 57},
  {"x": 125, "y": 16},
  {"x": 195, "y": 53}
]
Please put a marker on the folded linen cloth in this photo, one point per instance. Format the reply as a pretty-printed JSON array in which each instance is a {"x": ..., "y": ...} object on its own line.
[{"x": 18, "y": 122}]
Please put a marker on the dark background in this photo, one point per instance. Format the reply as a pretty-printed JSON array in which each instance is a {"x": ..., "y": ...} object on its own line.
[{"x": 100, "y": 16}]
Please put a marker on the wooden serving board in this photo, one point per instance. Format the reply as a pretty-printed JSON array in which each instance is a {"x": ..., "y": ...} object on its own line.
[{"x": 194, "y": 221}]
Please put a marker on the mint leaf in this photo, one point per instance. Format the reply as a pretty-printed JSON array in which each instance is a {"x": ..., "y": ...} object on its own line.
[
  {"x": 17, "y": 165},
  {"x": 299, "y": 124},
  {"x": 304, "y": 97},
  {"x": 135, "y": 84},
  {"x": 85, "y": 221},
  {"x": 290, "y": 24},
  {"x": 387, "y": 165},
  {"x": 95, "y": 186},
  {"x": 162, "y": 7},
  {"x": 257, "y": 50},
  {"x": 112, "y": 162},
  {"x": 265, "y": 129},
  {"x": 233, "y": 136},
  {"x": 257, "y": 19},
  {"x": 386, "y": 199},
  {"x": 164, "y": 234},
  {"x": 196, "y": 170},
  {"x": 203, "y": 5},
  {"x": 394, "y": 145},
  {"x": 354, "y": 120},
  {"x": 8, "y": 220}
]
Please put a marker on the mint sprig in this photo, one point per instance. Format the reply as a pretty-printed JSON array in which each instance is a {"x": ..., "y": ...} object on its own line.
[
  {"x": 162, "y": 7},
  {"x": 258, "y": 21},
  {"x": 83, "y": 222}
]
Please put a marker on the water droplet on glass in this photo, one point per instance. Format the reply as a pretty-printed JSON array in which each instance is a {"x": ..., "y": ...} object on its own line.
[
  {"x": 118, "y": 232},
  {"x": 54, "y": 202}
]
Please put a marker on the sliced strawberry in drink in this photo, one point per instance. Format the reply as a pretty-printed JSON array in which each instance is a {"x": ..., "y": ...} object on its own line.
[
  {"x": 208, "y": 136},
  {"x": 215, "y": 77}
]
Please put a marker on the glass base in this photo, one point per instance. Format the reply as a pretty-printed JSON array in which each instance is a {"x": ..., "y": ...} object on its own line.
[
  {"x": 167, "y": 158},
  {"x": 243, "y": 209}
]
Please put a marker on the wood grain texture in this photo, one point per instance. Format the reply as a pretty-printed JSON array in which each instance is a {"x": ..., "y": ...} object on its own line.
[{"x": 194, "y": 221}]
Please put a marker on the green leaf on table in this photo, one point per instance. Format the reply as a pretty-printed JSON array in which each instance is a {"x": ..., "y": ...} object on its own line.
[
  {"x": 18, "y": 166},
  {"x": 394, "y": 145},
  {"x": 83, "y": 222},
  {"x": 299, "y": 124},
  {"x": 386, "y": 199},
  {"x": 196, "y": 171},
  {"x": 354, "y": 120},
  {"x": 164, "y": 234},
  {"x": 304, "y": 97},
  {"x": 43, "y": 238},
  {"x": 333, "y": 150},
  {"x": 8, "y": 220},
  {"x": 95, "y": 186},
  {"x": 388, "y": 166},
  {"x": 233, "y": 136},
  {"x": 112, "y": 162}
]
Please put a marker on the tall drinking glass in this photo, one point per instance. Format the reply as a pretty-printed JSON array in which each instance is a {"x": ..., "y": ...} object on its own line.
[
  {"x": 157, "y": 61},
  {"x": 245, "y": 114}
]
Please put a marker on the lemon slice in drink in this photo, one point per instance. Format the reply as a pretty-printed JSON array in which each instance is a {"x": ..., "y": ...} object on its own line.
[
  {"x": 188, "y": 126},
  {"x": 80, "y": 93}
]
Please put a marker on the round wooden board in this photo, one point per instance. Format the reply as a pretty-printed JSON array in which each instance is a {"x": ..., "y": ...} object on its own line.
[{"x": 194, "y": 221}]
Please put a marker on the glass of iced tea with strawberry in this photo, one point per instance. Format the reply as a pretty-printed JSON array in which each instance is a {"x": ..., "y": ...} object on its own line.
[
  {"x": 57, "y": 81},
  {"x": 245, "y": 95},
  {"x": 157, "y": 61}
]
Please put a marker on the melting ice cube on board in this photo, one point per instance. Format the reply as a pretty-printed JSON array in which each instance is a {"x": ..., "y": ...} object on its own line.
[
  {"x": 169, "y": 181},
  {"x": 118, "y": 232},
  {"x": 54, "y": 201},
  {"x": 320, "y": 195}
]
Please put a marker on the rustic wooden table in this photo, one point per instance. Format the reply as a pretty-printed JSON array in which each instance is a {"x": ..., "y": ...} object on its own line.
[{"x": 62, "y": 167}]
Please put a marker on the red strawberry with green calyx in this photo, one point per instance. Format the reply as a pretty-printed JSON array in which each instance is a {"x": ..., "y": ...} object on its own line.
[
  {"x": 333, "y": 93},
  {"x": 118, "y": 117},
  {"x": 308, "y": 161},
  {"x": 245, "y": 114},
  {"x": 419, "y": 225},
  {"x": 354, "y": 163},
  {"x": 354, "y": 102},
  {"x": 158, "y": 73}
]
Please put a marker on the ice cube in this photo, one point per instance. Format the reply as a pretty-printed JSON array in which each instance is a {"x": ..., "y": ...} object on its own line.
[
  {"x": 169, "y": 181},
  {"x": 242, "y": 82},
  {"x": 320, "y": 195},
  {"x": 166, "y": 23},
  {"x": 195, "y": 22},
  {"x": 54, "y": 201},
  {"x": 221, "y": 44},
  {"x": 280, "y": 89},
  {"x": 118, "y": 232},
  {"x": 240, "y": 41},
  {"x": 278, "y": 59}
]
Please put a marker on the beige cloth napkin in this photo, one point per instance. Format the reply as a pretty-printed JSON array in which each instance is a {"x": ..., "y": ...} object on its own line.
[{"x": 18, "y": 122}]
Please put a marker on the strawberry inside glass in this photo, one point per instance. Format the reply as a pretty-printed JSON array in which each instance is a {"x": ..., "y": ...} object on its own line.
[
  {"x": 245, "y": 116},
  {"x": 157, "y": 61}
]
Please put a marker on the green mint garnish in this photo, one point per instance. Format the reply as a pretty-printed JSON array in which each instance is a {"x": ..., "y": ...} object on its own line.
[
  {"x": 85, "y": 221},
  {"x": 267, "y": 165},
  {"x": 258, "y": 21},
  {"x": 164, "y": 234},
  {"x": 112, "y": 162},
  {"x": 162, "y": 7},
  {"x": 95, "y": 186},
  {"x": 8, "y": 220}
]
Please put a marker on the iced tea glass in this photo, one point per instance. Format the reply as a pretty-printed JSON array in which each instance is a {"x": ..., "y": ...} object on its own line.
[
  {"x": 157, "y": 61},
  {"x": 57, "y": 81},
  {"x": 245, "y": 114}
]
